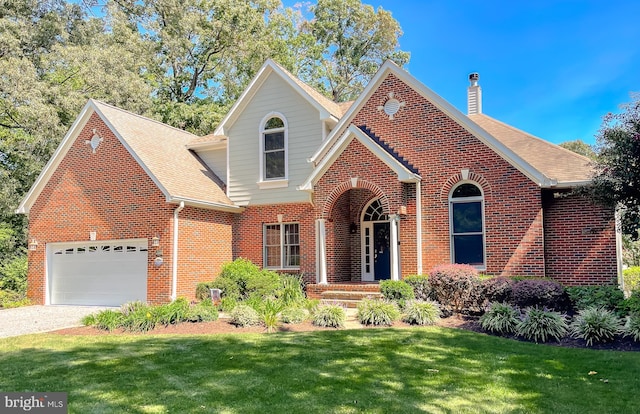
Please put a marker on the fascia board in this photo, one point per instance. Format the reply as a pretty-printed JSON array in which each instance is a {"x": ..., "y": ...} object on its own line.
[
  {"x": 207, "y": 146},
  {"x": 57, "y": 157},
  {"x": 205, "y": 204}
]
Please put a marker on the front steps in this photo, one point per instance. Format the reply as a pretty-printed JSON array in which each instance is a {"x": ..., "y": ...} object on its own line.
[{"x": 344, "y": 294}]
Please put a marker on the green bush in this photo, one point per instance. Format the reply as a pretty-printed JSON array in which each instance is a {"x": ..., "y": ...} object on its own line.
[
  {"x": 12, "y": 299},
  {"x": 172, "y": 313},
  {"x": 377, "y": 312},
  {"x": 141, "y": 319},
  {"x": 331, "y": 316},
  {"x": 419, "y": 312},
  {"x": 203, "y": 290},
  {"x": 397, "y": 291},
  {"x": 88, "y": 320},
  {"x": 294, "y": 315},
  {"x": 456, "y": 287},
  {"x": 540, "y": 325},
  {"x": 595, "y": 325},
  {"x": 291, "y": 289},
  {"x": 608, "y": 297},
  {"x": 241, "y": 280},
  {"x": 420, "y": 285},
  {"x": 109, "y": 320},
  {"x": 631, "y": 278},
  {"x": 631, "y": 304},
  {"x": 632, "y": 326},
  {"x": 227, "y": 304},
  {"x": 244, "y": 315},
  {"x": 204, "y": 311},
  {"x": 500, "y": 318},
  {"x": 13, "y": 274},
  {"x": 269, "y": 311}
]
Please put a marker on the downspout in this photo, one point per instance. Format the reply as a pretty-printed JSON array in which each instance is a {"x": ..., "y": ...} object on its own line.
[
  {"x": 174, "y": 270},
  {"x": 419, "y": 225}
]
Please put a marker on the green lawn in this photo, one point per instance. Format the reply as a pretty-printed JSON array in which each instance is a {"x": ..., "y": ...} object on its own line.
[{"x": 430, "y": 370}]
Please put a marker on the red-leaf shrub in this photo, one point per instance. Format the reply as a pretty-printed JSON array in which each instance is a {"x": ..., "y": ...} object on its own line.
[
  {"x": 539, "y": 292},
  {"x": 498, "y": 289},
  {"x": 456, "y": 287}
]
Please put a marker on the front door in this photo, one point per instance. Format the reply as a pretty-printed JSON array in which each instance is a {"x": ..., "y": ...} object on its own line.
[{"x": 376, "y": 243}]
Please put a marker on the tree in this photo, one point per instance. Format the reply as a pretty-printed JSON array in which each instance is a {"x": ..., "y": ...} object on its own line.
[
  {"x": 617, "y": 180},
  {"x": 354, "y": 40},
  {"x": 580, "y": 147}
]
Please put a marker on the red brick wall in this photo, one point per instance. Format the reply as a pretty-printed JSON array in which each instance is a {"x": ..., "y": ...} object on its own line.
[
  {"x": 248, "y": 233},
  {"x": 580, "y": 241},
  {"x": 440, "y": 148},
  {"x": 109, "y": 193}
]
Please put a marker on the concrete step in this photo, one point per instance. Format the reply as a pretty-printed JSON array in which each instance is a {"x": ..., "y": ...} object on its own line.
[{"x": 350, "y": 298}]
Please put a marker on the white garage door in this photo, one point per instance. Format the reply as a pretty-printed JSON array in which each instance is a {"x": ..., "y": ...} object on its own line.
[{"x": 106, "y": 273}]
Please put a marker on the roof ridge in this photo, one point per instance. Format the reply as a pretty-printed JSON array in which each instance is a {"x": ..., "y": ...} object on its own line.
[
  {"x": 133, "y": 114},
  {"x": 544, "y": 141},
  {"x": 388, "y": 148}
]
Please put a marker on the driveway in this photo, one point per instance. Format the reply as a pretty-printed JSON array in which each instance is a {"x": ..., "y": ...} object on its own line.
[{"x": 34, "y": 319}]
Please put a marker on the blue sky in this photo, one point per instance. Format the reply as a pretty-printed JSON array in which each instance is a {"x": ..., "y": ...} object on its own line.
[{"x": 551, "y": 68}]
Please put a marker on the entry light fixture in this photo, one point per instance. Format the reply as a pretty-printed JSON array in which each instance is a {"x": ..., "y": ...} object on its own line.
[
  {"x": 155, "y": 241},
  {"x": 33, "y": 245},
  {"x": 353, "y": 228}
]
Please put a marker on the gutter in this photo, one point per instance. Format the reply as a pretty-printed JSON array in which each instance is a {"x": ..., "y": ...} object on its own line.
[{"x": 174, "y": 257}]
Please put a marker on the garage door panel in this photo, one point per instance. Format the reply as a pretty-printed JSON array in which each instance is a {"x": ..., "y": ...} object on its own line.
[{"x": 105, "y": 273}]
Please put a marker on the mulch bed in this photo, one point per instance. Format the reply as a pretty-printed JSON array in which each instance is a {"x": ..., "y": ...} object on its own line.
[{"x": 221, "y": 326}]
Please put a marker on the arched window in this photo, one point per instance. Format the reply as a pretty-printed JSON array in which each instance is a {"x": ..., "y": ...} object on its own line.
[
  {"x": 273, "y": 148},
  {"x": 466, "y": 218}
]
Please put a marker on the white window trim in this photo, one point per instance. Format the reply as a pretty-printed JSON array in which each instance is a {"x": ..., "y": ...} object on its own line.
[
  {"x": 282, "y": 246},
  {"x": 480, "y": 198},
  {"x": 264, "y": 183}
]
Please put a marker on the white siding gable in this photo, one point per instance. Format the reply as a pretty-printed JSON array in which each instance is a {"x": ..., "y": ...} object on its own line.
[
  {"x": 304, "y": 137},
  {"x": 216, "y": 159}
]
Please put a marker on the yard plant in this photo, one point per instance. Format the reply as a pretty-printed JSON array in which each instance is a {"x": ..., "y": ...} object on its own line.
[{"x": 596, "y": 325}]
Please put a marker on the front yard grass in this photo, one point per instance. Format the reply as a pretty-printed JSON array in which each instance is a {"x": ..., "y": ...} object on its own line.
[{"x": 429, "y": 370}]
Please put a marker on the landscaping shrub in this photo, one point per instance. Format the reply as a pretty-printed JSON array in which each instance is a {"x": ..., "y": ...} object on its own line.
[
  {"x": 12, "y": 299},
  {"x": 631, "y": 278},
  {"x": 631, "y": 304},
  {"x": 497, "y": 289},
  {"x": 13, "y": 275},
  {"x": 244, "y": 315},
  {"x": 377, "y": 312},
  {"x": 234, "y": 276},
  {"x": 332, "y": 316},
  {"x": 140, "y": 319},
  {"x": 397, "y": 291},
  {"x": 109, "y": 320},
  {"x": 632, "y": 326},
  {"x": 540, "y": 293},
  {"x": 269, "y": 310},
  {"x": 540, "y": 325},
  {"x": 293, "y": 315},
  {"x": 291, "y": 290},
  {"x": 608, "y": 297},
  {"x": 418, "y": 312},
  {"x": 204, "y": 311},
  {"x": 227, "y": 304},
  {"x": 500, "y": 318},
  {"x": 203, "y": 290},
  {"x": 595, "y": 325},
  {"x": 172, "y": 313},
  {"x": 421, "y": 286},
  {"x": 88, "y": 320},
  {"x": 456, "y": 287}
]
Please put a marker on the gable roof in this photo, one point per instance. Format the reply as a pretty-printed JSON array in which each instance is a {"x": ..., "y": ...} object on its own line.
[
  {"x": 158, "y": 148},
  {"x": 325, "y": 106},
  {"x": 566, "y": 167},
  {"x": 506, "y": 146},
  {"x": 405, "y": 171}
]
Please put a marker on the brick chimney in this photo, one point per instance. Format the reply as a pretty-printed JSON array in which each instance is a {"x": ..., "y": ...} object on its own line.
[{"x": 474, "y": 95}]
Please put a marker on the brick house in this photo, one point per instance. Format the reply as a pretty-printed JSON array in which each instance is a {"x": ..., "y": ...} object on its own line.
[{"x": 389, "y": 185}]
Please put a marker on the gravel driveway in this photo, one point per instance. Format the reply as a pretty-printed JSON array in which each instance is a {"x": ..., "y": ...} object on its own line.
[{"x": 34, "y": 319}]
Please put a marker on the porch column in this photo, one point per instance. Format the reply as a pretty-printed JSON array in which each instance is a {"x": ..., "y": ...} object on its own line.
[
  {"x": 321, "y": 250},
  {"x": 394, "y": 219}
]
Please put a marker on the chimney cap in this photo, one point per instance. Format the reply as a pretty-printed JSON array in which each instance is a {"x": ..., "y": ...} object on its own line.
[{"x": 473, "y": 78}]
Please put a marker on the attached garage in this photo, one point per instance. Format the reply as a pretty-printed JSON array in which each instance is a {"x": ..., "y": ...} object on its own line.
[{"x": 107, "y": 273}]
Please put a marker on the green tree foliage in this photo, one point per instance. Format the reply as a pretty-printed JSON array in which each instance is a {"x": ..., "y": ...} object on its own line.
[
  {"x": 355, "y": 40},
  {"x": 580, "y": 147},
  {"x": 617, "y": 180}
]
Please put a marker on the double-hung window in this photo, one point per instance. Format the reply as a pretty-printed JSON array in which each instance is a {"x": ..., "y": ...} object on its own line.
[
  {"x": 282, "y": 246},
  {"x": 466, "y": 206},
  {"x": 273, "y": 148}
]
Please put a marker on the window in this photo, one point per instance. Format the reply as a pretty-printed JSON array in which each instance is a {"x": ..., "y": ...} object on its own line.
[
  {"x": 467, "y": 225},
  {"x": 282, "y": 246},
  {"x": 273, "y": 148}
]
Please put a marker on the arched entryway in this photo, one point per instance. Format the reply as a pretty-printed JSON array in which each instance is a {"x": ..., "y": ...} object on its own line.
[{"x": 376, "y": 242}]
